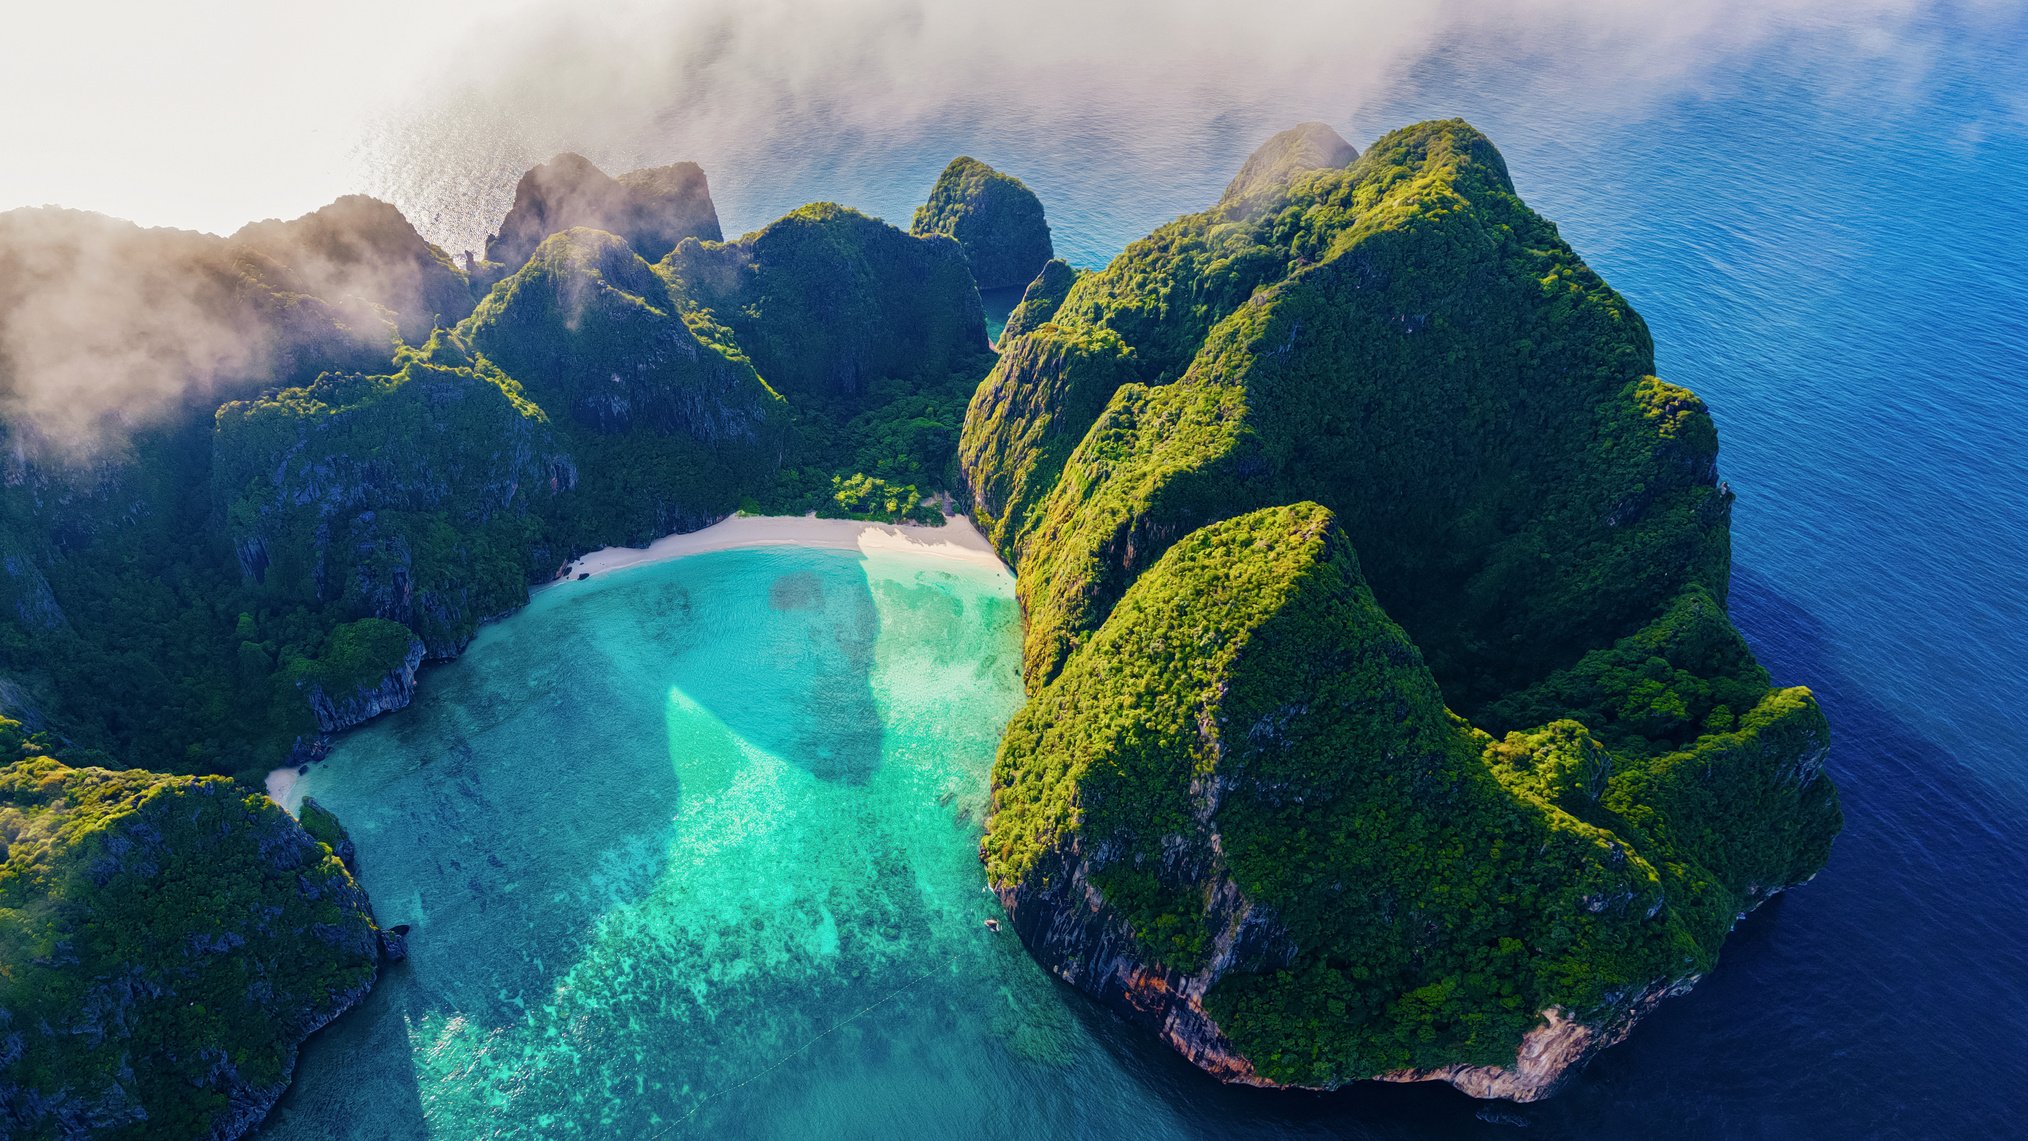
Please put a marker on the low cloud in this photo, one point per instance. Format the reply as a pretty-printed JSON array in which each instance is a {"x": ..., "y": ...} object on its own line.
[
  {"x": 1123, "y": 112},
  {"x": 784, "y": 100}
]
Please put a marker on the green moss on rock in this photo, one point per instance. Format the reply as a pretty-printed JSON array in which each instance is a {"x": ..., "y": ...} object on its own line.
[
  {"x": 994, "y": 217},
  {"x": 166, "y": 944}
]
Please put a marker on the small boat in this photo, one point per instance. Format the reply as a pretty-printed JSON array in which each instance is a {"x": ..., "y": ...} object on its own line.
[{"x": 992, "y": 925}]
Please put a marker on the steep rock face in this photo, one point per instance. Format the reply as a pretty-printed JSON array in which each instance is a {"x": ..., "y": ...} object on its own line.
[
  {"x": 367, "y": 670},
  {"x": 1298, "y": 150},
  {"x": 669, "y": 428},
  {"x": 411, "y": 497},
  {"x": 1551, "y": 1052},
  {"x": 1040, "y": 301},
  {"x": 994, "y": 217},
  {"x": 826, "y": 301},
  {"x": 1030, "y": 411},
  {"x": 164, "y": 592},
  {"x": 168, "y": 944},
  {"x": 1521, "y": 489},
  {"x": 1225, "y": 732},
  {"x": 24, "y": 591},
  {"x": 651, "y": 210},
  {"x": 1180, "y": 816},
  {"x": 362, "y": 254}
]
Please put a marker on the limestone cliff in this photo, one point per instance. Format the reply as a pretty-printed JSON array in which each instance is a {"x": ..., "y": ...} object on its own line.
[
  {"x": 412, "y": 497},
  {"x": 994, "y": 217},
  {"x": 651, "y": 210},
  {"x": 370, "y": 670},
  {"x": 166, "y": 944},
  {"x": 1463, "y": 806},
  {"x": 826, "y": 301},
  {"x": 362, "y": 255}
]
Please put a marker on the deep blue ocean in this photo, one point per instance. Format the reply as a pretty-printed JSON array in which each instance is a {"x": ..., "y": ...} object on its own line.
[{"x": 1833, "y": 251}]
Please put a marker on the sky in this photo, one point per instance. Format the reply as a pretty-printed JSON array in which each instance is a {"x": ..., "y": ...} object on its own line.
[{"x": 209, "y": 114}]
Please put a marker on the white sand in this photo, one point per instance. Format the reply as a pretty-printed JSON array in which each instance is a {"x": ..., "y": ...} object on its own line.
[
  {"x": 955, "y": 539},
  {"x": 282, "y": 789}
]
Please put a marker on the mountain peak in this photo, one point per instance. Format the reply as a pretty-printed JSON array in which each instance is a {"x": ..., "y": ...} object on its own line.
[
  {"x": 652, "y": 209},
  {"x": 1302, "y": 148}
]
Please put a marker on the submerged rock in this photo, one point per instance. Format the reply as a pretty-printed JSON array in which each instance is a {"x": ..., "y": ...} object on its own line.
[{"x": 394, "y": 943}]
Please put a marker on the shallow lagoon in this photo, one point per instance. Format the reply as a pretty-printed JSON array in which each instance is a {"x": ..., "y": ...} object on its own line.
[{"x": 690, "y": 847}]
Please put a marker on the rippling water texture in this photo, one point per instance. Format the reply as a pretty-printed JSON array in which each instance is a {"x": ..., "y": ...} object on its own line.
[{"x": 691, "y": 849}]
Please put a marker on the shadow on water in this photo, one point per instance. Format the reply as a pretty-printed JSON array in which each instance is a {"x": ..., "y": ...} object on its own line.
[
  {"x": 801, "y": 684},
  {"x": 370, "y": 1046},
  {"x": 529, "y": 791}
]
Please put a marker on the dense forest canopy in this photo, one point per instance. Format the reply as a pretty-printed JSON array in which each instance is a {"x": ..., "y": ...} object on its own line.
[{"x": 1382, "y": 694}]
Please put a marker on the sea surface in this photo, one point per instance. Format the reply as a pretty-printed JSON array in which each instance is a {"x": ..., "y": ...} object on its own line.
[{"x": 690, "y": 849}]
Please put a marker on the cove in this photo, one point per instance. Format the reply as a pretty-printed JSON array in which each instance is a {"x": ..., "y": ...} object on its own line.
[{"x": 690, "y": 849}]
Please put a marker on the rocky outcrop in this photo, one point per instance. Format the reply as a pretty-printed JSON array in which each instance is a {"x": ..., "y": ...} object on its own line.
[
  {"x": 337, "y": 711},
  {"x": 1238, "y": 806},
  {"x": 24, "y": 591},
  {"x": 994, "y": 217},
  {"x": 1040, "y": 301},
  {"x": 1553, "y": 1052},
  {"x": 652, "y": 210},
  {"x": 412, "y": 497},
  {"x": 671, "y": 428},
  {"x": 1067, "y": 926},
  {"x": 826, "y": 302},
  {"x": 361, "y": 254},
  {"x": 1043, "y": 395},
  {"x": 169, "y": 942},
  {"x": 593, "y": 336}
]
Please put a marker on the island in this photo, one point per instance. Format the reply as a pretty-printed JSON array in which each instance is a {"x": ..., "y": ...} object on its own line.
[{"x": 1384, "y": 719}]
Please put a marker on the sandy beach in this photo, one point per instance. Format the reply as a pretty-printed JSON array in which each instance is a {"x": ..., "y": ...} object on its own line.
[
  {"x": 956, "y": 539},
  {"x": 282, "y": 789}
]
